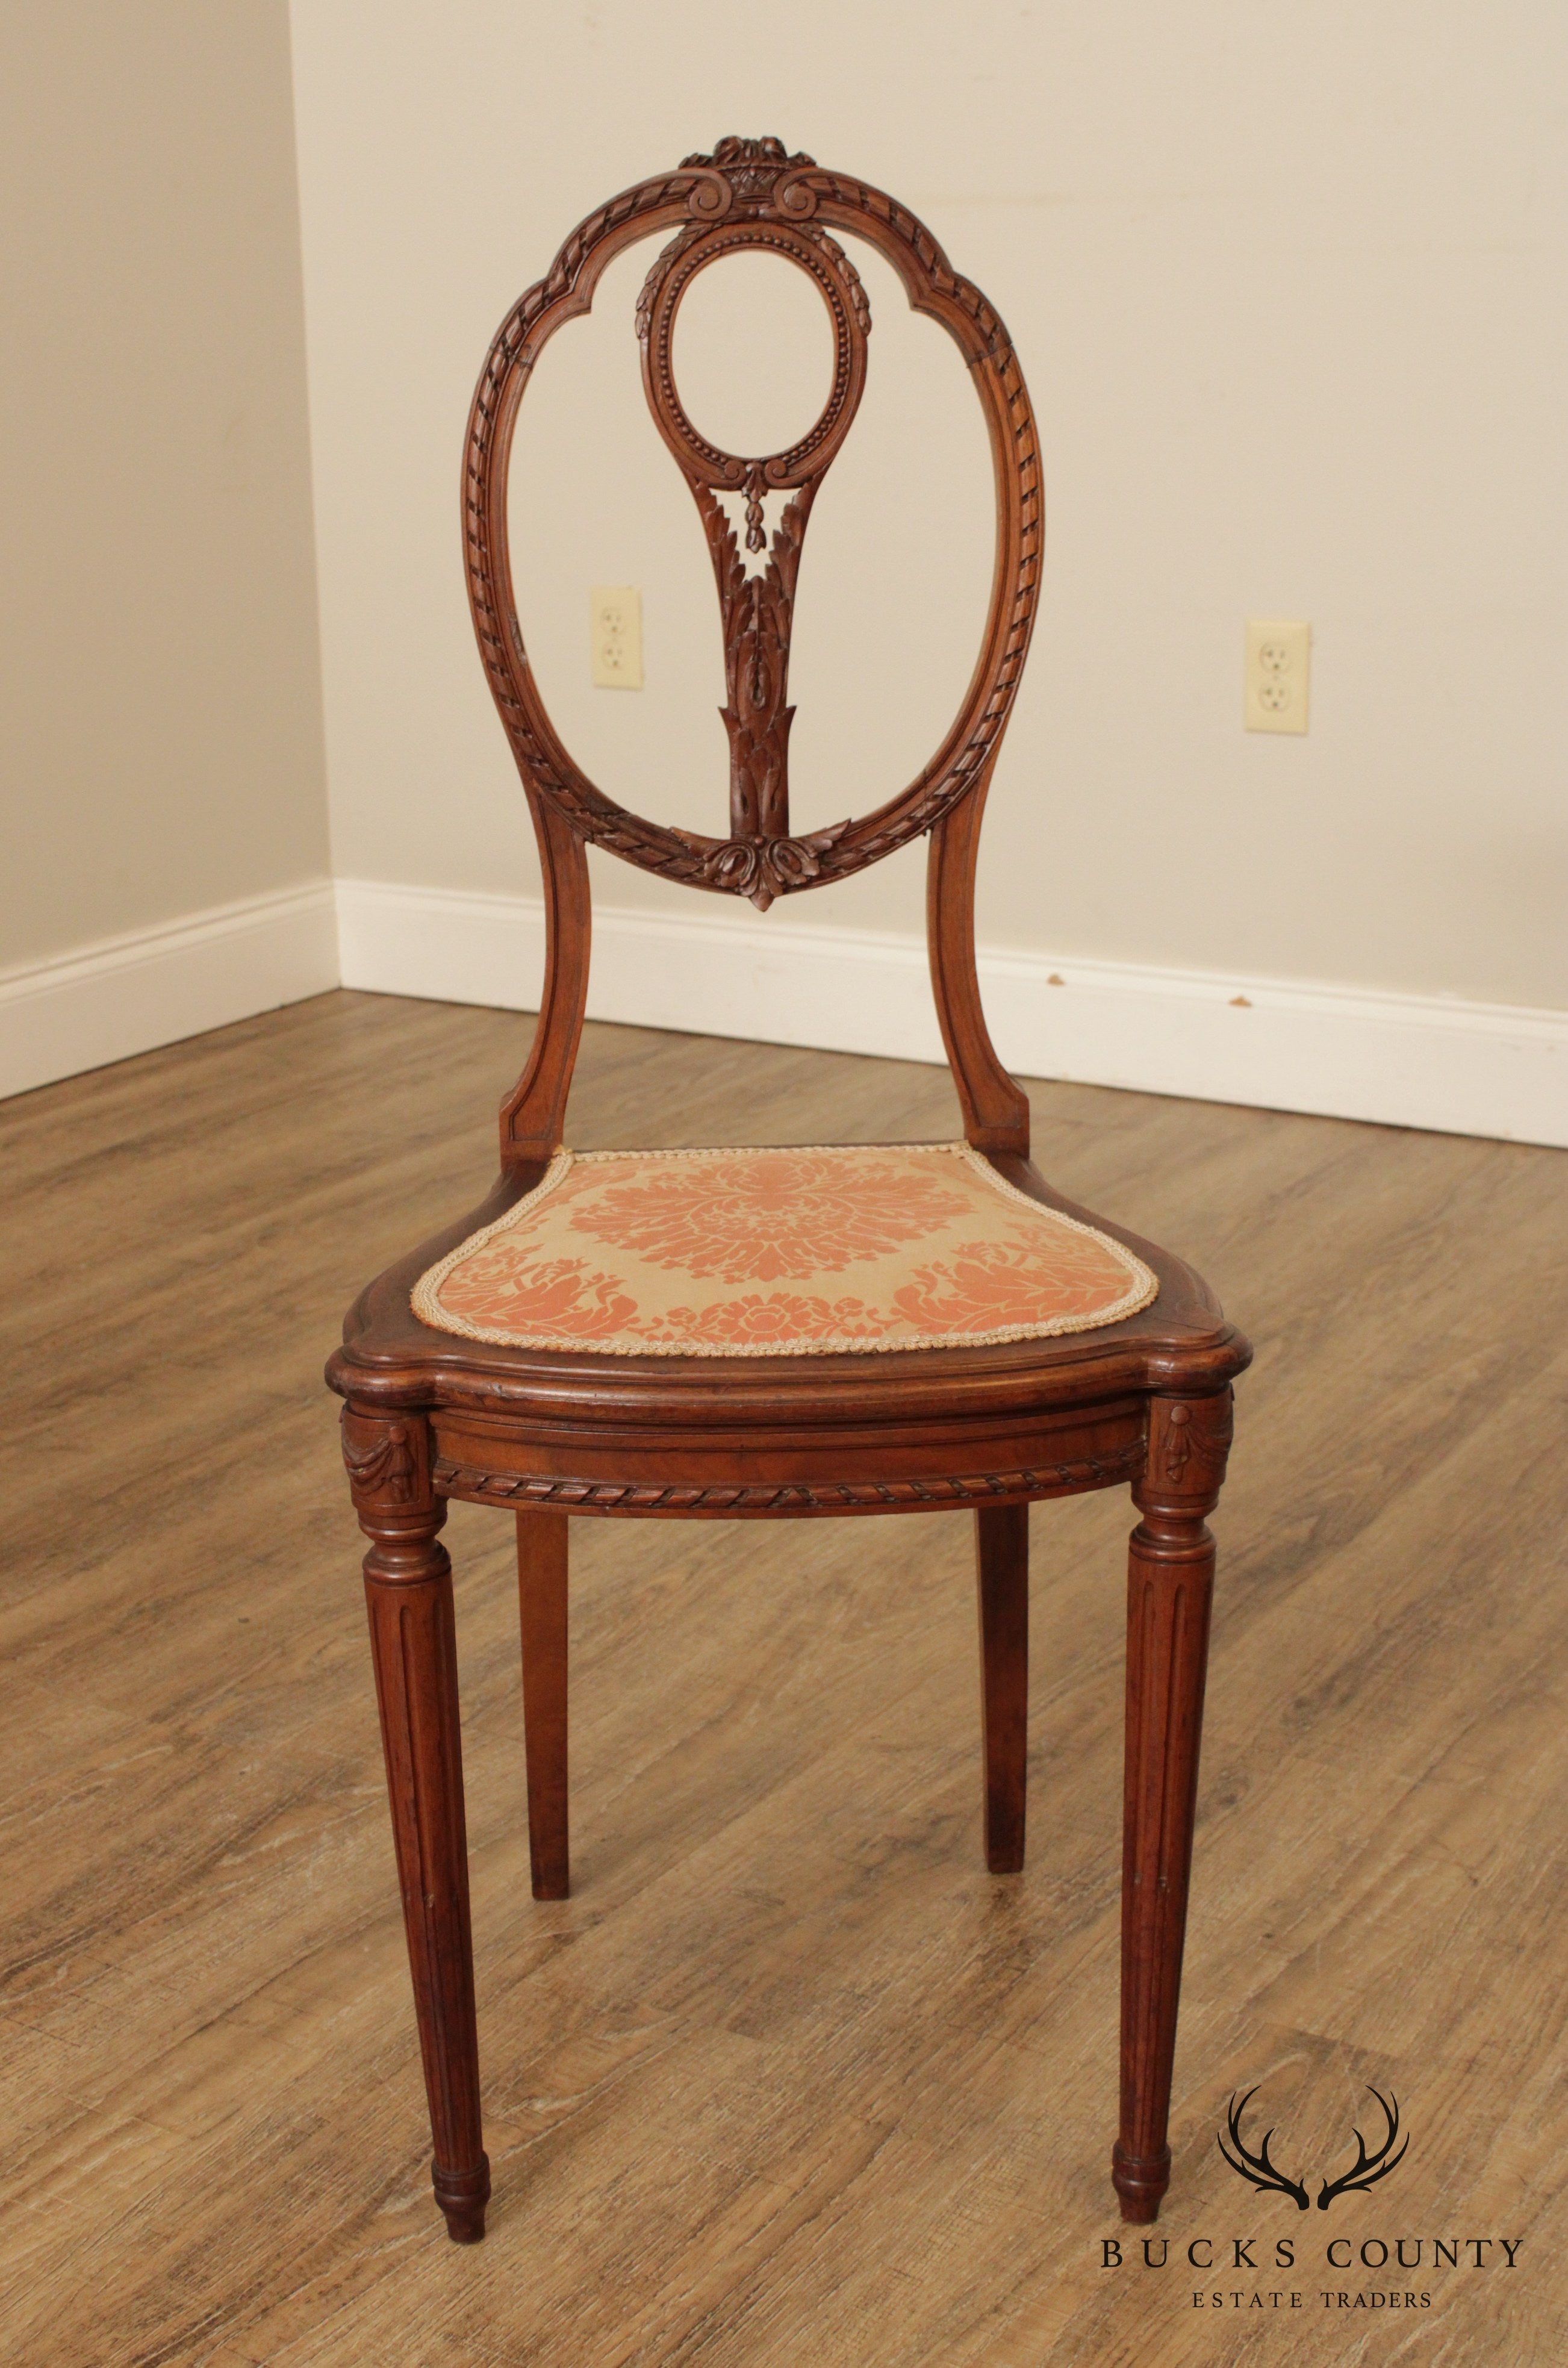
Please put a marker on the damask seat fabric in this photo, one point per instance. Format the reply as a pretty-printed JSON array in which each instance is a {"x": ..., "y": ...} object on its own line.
[{"x": 778, "y": 1253}]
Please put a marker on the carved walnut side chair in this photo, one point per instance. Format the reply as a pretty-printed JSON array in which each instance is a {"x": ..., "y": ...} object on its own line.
[{"x": 774, "y": 1336}]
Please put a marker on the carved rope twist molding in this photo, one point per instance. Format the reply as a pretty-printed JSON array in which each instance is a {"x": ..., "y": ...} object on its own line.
[
  {"x": 754, "y": 179},
  {"x": 513, "y": 1487}
]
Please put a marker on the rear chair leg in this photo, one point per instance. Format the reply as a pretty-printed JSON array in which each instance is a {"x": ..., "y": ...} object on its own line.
[
  {"x": 541, "y": 1589},
  {"x": 1002, "y": 1566},
  {"x": 1170, "y": 1583}
]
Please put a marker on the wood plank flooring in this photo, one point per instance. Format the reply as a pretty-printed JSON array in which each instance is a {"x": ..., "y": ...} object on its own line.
[{"x": 790, "y": 2079}]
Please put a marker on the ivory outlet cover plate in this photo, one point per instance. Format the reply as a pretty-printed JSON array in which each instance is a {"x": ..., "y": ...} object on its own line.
[
  {"x": 1278, "y": 659},
  {"x": 616, "y": 636}
]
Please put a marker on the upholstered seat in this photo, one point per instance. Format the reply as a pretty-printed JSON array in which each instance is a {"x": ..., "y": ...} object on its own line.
[{"x": 780, "y": 1252}]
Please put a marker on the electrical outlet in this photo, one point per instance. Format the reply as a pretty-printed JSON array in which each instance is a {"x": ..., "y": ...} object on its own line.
[
  {"x": 616, "y": 636},
  {"x": 1278, "y": 659}
]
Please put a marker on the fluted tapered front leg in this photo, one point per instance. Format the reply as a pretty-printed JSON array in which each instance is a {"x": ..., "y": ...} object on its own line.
[
  {"x": 1170, "y": 1583},
  {"x": 408, "y": 1588}
]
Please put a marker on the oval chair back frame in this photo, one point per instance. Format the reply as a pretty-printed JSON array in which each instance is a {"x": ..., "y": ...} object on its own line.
[{"x": 748, "y": 195}]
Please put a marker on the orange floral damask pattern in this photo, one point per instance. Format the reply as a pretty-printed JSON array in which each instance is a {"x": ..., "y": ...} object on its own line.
[
  {"x": 770, "y": 1214},
  {"x": 939, "y": 1250}
]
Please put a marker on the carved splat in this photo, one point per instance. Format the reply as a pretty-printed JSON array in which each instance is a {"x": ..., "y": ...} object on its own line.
[
  {"x": 757, "y": 613},
  {"x": 756, "y": 607}
]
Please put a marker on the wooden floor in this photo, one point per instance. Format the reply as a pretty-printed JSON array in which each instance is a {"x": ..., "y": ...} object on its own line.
[{"x": 790, "y": 2079}]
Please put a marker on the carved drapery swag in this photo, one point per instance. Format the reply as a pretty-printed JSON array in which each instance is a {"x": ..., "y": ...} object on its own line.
[{"x": 750, "y": 195}]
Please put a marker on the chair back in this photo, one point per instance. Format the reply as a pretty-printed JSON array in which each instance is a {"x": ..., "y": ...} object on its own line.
[{"x": 749, "y": 195}]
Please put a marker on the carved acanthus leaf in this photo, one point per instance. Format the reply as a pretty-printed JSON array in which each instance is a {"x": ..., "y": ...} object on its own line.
[
  {"x": 763, "y": 867},
  {"x": 657, "y": 270},
  {"x": 756, "y": 614}
]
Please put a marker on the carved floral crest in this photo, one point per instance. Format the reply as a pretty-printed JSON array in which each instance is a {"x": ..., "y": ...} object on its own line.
[{"x": 752, "y": 167}]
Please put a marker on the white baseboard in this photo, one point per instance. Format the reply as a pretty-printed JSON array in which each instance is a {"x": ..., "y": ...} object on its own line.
[
  {"x": 151, "y": 987},
  {"x": 1399, "y": 1060}
]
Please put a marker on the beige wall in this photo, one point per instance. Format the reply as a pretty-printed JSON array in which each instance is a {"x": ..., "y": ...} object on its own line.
[
  {"x": 158, "y": 636},
  {"x": 1283, "y": 283}
]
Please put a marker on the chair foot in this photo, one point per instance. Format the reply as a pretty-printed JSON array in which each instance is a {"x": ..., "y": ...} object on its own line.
[
  {"x": 463, "y": 2196},
  {"x": 1140, "y": 2184}
]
